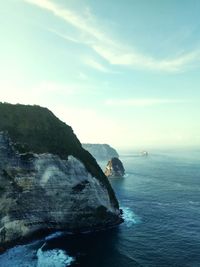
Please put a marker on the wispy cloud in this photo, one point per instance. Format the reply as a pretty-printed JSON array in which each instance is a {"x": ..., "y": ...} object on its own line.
[
  {"x": 64, "y": 36},
  {"x": 142, "y": 102},
  {"x": 70, "y": 17},
  {"x": 126, "y": 57},
  {"x": 114, "y": 52},
  {"x": 96, "y": 65}
]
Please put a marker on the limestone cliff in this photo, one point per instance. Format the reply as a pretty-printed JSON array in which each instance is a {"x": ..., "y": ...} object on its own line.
[
  {"x": 101, "y": 152},
  {"x": 47, "y": 180}
]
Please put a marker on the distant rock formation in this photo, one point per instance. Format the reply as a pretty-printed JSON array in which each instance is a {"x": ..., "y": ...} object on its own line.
[
  {"x": 114, "y": 168},
  {"x": 48, "y": 182},
  {"x": 101, "y": 152}
]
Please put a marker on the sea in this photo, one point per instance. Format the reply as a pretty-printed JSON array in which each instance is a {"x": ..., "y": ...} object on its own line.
[{"x": 160, "y": 198}]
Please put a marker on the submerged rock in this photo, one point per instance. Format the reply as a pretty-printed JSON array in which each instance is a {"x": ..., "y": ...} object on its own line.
[
  {"x": 48, "y": 181},
  {"x": 114, "y": 168},
  {"x": 101, "y": 151}
]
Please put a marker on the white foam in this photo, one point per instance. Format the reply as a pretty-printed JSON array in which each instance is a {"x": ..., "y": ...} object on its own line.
[
  {"x": 53, "y": 258},
  {"x": 54, "y": 235},
  {"x": 129, "y": 216},
  {"x": 30, "y": 256},
  {"x": 22, "y": 256}
]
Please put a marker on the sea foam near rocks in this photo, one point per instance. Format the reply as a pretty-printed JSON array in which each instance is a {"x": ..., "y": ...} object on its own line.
[
  {"x": 30, "y": 256},
  {"x": 130, "y": 218},
  {"x": 53, "y": 258}
]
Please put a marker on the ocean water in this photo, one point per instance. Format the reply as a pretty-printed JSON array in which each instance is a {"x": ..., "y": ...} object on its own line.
[{"x": 160, "y": 197}]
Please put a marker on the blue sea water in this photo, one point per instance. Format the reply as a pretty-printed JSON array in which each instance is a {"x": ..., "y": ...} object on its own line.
[{"x": 160, "y": 197}]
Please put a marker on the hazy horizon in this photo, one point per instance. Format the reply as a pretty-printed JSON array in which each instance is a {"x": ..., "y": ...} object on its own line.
[{"x": 124, "y": 73}]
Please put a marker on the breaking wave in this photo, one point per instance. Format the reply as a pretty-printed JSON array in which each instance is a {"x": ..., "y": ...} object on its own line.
[
  {"x": 130, "y": 218},
  {"x": 30, "y": 256},
  {"x": 23, "y": 256},
  {"x": 53, "y": 258},
  {"x": 54, "y": 235}
]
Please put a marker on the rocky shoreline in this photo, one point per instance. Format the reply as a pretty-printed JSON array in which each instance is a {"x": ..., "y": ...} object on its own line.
[{"x": 40, "y": 234}]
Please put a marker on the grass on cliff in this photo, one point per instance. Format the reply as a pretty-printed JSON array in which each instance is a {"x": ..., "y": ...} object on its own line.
[{"x": 36, "y": 129}]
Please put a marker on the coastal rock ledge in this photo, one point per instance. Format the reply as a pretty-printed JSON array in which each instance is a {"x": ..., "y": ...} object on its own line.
[{"x": 44, "y": 188}]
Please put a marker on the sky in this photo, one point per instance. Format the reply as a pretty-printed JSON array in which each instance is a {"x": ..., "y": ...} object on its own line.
[{"x": 126, "y": 73}]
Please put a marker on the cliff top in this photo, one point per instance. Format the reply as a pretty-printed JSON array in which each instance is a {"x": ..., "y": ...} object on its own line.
[{"x": 37, "y": 129}]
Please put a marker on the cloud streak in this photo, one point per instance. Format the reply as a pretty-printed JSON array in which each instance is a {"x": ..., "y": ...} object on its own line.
[
  {"x": 114, "y": 52},
  {"x": 96, "y": 65},
  {"x": 65, "y": 37}
]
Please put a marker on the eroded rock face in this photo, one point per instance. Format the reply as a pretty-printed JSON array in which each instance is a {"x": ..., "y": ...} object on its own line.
[
  {"x": 114, "y": 168},
  {"x": 43, "y": 191}
]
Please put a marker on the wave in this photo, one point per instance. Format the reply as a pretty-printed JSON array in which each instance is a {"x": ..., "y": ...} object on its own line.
[
  {"x": 53, "y": 258},
  {"x": 30, "y": 256},
  {"x": 23, "y": 256},
  {"x": 130, "y": 218},
  {"x": 54, "y": 235}
]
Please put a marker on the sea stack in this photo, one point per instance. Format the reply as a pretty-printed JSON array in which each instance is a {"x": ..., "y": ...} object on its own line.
[
  {"x": 48, "y": 182},
  {"x": 114, "y": 168}
]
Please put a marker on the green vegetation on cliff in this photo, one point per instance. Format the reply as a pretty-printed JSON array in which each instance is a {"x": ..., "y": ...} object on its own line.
[{"x": 37, "y": 129}]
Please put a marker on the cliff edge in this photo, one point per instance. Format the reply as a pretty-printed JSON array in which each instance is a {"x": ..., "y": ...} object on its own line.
[{"x": 47, "y": 180}]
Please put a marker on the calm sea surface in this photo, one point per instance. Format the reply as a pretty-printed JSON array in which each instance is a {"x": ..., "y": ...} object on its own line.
[{"x": 160, "y": 196}]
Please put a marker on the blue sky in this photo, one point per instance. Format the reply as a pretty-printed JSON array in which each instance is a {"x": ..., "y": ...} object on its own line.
[{"x": 121, "y": 72}]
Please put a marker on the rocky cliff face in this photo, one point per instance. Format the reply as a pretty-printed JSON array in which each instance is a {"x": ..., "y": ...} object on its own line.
[
  {"x": 114, "y": 168},
  {"x": 101, "y": 152},
  {"x": 46, "y": 191}
]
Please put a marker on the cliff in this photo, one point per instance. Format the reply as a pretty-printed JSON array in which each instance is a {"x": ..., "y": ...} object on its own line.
[
  {"x": 101, "y": 152},
  {"x": 47, "y": 180}
]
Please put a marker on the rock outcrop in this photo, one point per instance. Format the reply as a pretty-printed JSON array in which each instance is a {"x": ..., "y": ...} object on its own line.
[
  {"x": 48, "y": 181},
  {"x": 101, "y": 152},
  {"x": 114, "y": 168}
]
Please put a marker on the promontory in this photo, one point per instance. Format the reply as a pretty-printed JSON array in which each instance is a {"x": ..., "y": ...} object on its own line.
[{"x": 48, "y": 182}]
